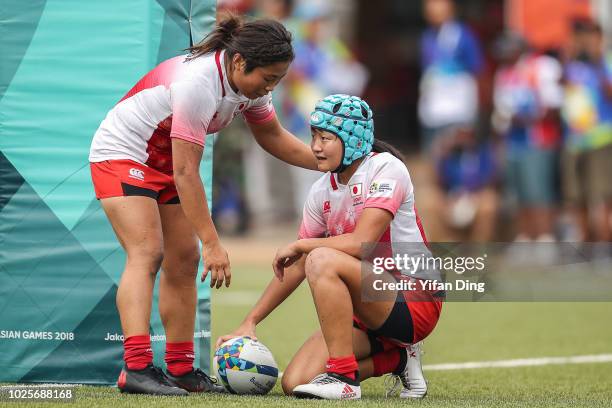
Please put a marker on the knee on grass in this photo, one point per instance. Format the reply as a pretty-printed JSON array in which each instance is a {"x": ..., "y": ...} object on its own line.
[{"x": 290, "y": 380}]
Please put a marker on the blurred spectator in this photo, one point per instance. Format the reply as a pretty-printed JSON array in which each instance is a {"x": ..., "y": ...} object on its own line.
[
  {"x": 467, "y": 172},
  {"x": 527, "y": 98},
  {"x": 587, "y": 110},
  {"x": 451, "y": 59},
  {"x": 323, "y": 65},
  {"x": 266, "y": 177},
  {"x": 228, "y": 203},
  {"x": 281, "y": 10},
  {"x": 235, "y": 6},
  {"x": 277, "y": 9},
  {"x": 229, "y": 213}
]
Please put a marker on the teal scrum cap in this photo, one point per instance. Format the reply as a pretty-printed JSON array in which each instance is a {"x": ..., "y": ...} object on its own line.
[{"x": 349, "y": 118}]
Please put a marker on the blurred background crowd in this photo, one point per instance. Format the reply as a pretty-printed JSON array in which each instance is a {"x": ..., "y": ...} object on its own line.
[{"x": 503, "y": 109}]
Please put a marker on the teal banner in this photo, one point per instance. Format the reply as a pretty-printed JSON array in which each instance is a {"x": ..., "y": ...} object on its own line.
[{"x": 65, "y": 63}]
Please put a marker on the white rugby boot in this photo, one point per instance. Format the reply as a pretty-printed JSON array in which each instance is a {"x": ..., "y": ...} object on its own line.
[
  {"x": 329, "y": 386},
  {"x": 410, "y": 376}
]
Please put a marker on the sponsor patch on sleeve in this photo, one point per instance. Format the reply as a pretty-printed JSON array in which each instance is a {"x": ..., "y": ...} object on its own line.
[{"x": 382, "y": 188}]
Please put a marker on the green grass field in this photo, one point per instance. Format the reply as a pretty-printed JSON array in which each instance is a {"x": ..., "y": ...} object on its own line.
[{"x": 466, "y": 332}]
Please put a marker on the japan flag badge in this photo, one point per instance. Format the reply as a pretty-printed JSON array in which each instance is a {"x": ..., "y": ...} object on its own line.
[{"x": 355, "y": 190}]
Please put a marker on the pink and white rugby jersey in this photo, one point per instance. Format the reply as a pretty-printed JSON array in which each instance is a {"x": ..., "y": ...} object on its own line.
[
  {"x": 185, "y": 99},
  {"x": 381, "y": 181}
]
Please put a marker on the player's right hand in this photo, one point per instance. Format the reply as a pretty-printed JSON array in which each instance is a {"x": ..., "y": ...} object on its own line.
[
  {"x": 284, "y": 258},
  {"x": 215, "y": 260},
  {"x": 245, "y": 330}
]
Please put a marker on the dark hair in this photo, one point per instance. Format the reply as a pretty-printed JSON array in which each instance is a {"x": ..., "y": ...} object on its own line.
[
  {"x": 383, "y": 147},
  {"x": 260, "y": 42}
]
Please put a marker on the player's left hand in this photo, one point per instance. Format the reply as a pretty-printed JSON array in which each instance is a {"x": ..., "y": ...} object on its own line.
[{"x": 285, "y": 257}]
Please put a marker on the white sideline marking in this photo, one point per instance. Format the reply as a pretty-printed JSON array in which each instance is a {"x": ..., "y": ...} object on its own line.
[{"x": 521, "y": 362}]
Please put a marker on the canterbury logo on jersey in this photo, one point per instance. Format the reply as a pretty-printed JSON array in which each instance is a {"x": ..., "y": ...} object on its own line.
[
  {"x": 326, "y": 207},
  {"x": 137, "y": 174}
]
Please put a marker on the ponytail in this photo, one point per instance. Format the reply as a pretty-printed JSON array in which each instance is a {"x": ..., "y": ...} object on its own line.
[
  {"x": 218, "y": 38},
  {"x": 383, "y": 147},
  {"x": 260, "y": 42}
]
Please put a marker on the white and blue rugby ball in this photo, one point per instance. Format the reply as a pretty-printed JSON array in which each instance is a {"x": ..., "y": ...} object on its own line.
[{"x": 245, "y": 366}]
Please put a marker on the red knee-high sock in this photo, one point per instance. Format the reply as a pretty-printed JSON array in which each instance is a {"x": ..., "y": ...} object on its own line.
[
  {"x": 179, "y": 357},
  {"x": 386, "y": 361},
  {"x": 137, "y": 352},
  {"x": 346, "y": 366}
]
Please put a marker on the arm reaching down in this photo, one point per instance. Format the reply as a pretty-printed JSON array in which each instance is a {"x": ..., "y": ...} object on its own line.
[{"x": 186, "y": 165}]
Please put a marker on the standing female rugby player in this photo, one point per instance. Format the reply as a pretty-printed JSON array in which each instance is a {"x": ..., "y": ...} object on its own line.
[
  {"x": 145, "y": 159},
  {"x": 366, "y": 197}
]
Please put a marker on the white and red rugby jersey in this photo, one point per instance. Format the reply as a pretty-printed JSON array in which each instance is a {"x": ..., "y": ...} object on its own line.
[
  {"x": 381, "y": 181},
  {"x": 180, "y": 98}
]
